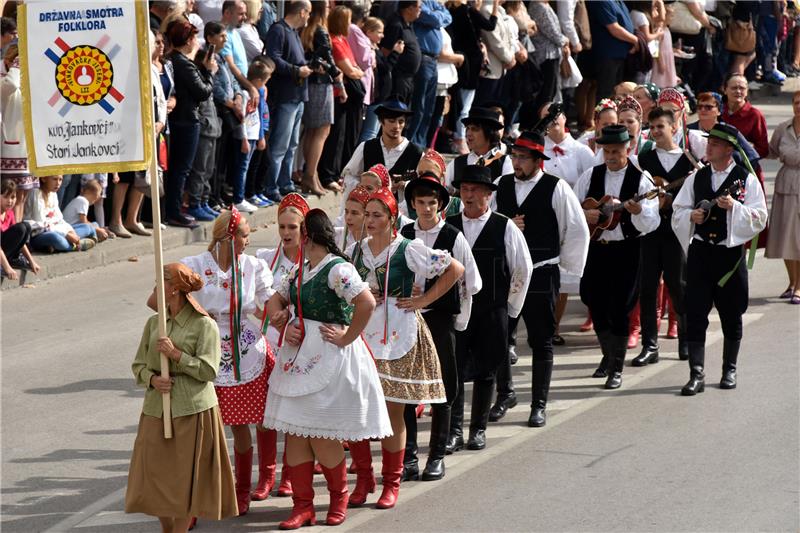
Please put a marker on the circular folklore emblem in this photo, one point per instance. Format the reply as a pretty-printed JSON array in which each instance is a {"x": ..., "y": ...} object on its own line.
[{"x": 84, "y": 75}]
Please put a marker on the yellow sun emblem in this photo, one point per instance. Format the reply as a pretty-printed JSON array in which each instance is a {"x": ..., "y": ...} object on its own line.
[{"x": 84, "y": 75}]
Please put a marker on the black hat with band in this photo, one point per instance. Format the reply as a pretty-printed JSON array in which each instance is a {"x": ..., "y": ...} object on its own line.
[
  {"x": 428, "y": 179},
  {"x": 531, "y": 141},
  {"x": 475, "y": 174},
  {"x": 725, "y": 132},
  {"x": 614, "y": 134}
]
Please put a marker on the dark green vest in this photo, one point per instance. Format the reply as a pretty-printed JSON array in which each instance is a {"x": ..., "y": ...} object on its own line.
[
  {"x": 401, "y": 278},
  {"x": 319, "y": 301}
]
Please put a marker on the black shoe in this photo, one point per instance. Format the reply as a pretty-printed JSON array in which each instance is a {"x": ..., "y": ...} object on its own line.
[
  {"x": 538, "y": 417},
  {"x": 512, "y": 355},
  {"x": 477, "y": 440},
  {"x": 20, "y": 263},
  {"x": 695, "y": 385},
  {"x": 728, "y": 380},
  {"x": 501, "y": 407},
  {"x": 455, "y": 443},
  {"x": 410, "y": 471},
  {"x": 558, "y": 340},
  {"x": 182, "y": 221},
  {"x": 648, "y": 356},
  {"x": 434, "y": 470},
  {"x": 600, "y": 372},
  {"x": 614, "y": 381},
  {"x": 730, "y": 353}
]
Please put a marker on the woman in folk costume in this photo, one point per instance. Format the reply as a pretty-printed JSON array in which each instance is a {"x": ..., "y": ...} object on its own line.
[
  {"x": 291, "y": 214},
  {"x": 397, "y": 335},
  {"x": 354, "y": 218},
  {"x": 189, "y": 474},
  {"x": 629, "y": 113},
  {"x": 432, "y": 161},
  {"x": 692, "y": 141},
  {"x": 325, "y": 388},
  {"x": 237, "y": 286},
  {"x": 376, "y": 177}
]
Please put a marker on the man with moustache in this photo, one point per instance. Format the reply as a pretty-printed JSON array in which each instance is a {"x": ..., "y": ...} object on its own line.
[
  {"x": 547, "y": 211},
  {"x": 609, "y": 286}
]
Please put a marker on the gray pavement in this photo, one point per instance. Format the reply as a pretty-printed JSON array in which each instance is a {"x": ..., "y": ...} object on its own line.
[{"x": 638, "y": 459}]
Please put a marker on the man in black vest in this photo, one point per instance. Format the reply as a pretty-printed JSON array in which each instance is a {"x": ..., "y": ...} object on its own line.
[
  {"x": 391, "y": 149},
  {"x": 661, "y": 251},
  {"x": 504, "y": 264},
  {"x": 484, "y": 129},
  {"x": 609, "y": 286},
  {"x": 547, "y": 211},
  {"x": 446, "y": 315},
  {"x": 714, "y": 236}
]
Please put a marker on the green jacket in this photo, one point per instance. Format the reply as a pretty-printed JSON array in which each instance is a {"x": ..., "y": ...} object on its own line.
[{"x": 197, "y": 336}]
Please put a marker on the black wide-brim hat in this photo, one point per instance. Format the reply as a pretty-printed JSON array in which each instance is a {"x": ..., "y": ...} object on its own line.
[
  {"x": 428, "y": 179},
  {"x": 614, "y": 134},
  {"x": 475, "y": 174},
  {"x": 531, "y": 141},
  {"x": 393, "y": 107},
  {"x": 481, "y": 115},
  {"x": 724, "y": 132}
]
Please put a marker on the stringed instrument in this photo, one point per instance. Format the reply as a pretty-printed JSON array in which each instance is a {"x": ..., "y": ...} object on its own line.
[
  {"x": 610, "y": 208},
  {"x": 706, "y": 205}
]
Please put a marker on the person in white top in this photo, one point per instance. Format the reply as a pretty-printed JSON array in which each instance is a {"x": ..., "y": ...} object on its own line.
[
  {"x": 450, "y": 313},
  {"x": 544, "y": 207},
  {"x": 352, "y": 230},
  {"x": 618, "y": 214},
  {"x": 505, "y": 266},
  {"x": 719, "y": 209},
  {"x": 694, "y": 140}
]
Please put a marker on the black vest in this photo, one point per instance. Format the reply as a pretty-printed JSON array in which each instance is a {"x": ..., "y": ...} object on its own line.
[
  {"x": 373, "y": 154},
  {"x": 495, "y": 167},
  {"x": 541, "y": 224},
  {"x": 630, "y": 186},
  {"x": 715, "y": 229},
  {"x": 650, "y": 162},
  {"x": 450, "y": 302},
  {"x": 489, "y": 251}
]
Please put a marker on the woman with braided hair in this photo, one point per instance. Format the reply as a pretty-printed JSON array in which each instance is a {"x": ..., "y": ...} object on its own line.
[
  {"x": 325, "y": 388},
  {"x": 236, "y": 287}
]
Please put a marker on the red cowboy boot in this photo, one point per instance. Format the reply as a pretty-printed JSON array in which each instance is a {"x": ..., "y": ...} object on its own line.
[
  {"x": 391, "y": 471},
  {"x": 244, "y": 472},
  {"x": 302, "y": 497},
  {"x": 267, "y": 442},
  {"x": 635, "y": 327},
  {"x": 337, "y": 487},
  {"x": 672, "y": 328},
  {"x": 365, "y": 479},
  {"x": 285, "y": 488}
]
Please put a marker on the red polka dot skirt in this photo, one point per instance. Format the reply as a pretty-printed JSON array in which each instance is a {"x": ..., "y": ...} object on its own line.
[{"x": 245, "y": 404}]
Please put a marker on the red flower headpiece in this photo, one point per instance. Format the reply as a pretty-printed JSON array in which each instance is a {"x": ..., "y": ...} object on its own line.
[
  {"x": 233, "y": 224},
  {"x": 602, "y": 105},
  {"x": 294, "y": 200},
  {"x": 382, "y": 173},
  {"x": 360, "y": 194},
  {"x": 436, "y": 157},
  {"x": 386, "y": 197}
]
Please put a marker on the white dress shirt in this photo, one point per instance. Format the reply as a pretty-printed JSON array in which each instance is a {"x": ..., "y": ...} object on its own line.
[
  {"x": 472, "y": 158},
  {"x": 745, "y": 220},
  {"x": 646, "y": 221},
  {"x": 577, "y": 157},
  {"x": 469, "y": 284},
  {"x": 517, "y": 256}
]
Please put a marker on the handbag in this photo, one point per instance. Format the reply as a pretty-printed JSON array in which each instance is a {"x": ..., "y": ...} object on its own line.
[
  {"x": 571, "y": 75},
  {"x": 683, "y": 21},
  {"x": 740, "y": 37}
]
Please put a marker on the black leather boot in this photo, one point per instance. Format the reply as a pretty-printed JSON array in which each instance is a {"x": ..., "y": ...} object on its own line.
[
  {"x": 618, "y": 348},
  {"x": 440, "y": 428},
  {"x": 542, "y": 374},
  {"x": 683, "y": 346},
  {"x": 602, "y": 338},
  {"x": 730, "y": 352},
  {"x": 455, "y": 437},
  {"x": 479, "y": 417},
  {"x": 649, "y": 353},
  {"x": 501, "y": 406},
  {"x": 410, "y": 461},
  {"x": 697, "y": 357}
]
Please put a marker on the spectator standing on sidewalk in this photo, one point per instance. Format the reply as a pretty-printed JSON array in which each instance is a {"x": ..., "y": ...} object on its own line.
[{"x": 399, "y": 28}]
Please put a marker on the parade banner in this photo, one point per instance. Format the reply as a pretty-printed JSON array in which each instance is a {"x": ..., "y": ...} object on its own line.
[{"x": 86, "y": 86}]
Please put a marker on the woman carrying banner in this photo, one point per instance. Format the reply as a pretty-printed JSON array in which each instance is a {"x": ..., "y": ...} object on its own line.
[
  {"x": 325, "y": 388},
  {"x": 237, "y": 286},
  {"x": 189, "y": 474}
]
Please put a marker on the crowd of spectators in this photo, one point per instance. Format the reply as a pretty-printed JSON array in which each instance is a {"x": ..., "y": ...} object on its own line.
[{"x": 257, "y": 99}]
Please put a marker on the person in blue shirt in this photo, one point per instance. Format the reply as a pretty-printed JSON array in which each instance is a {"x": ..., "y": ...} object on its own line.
[
  {"x": 612, "y": 41},
  {"x": 428, "y": 28}
]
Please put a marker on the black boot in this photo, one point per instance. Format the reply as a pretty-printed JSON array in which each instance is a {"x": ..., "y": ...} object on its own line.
[
  {"x": 440, "y": 428},
  {"x": 618, "y": 348},
  {"x": 542, "y": 373},
  {"x": 697, "y": 356},
  {"x": 649, "y": 353},
  {"x": 602, "y": 338},
  {"x": 481, "y": 402},
  {"x": 501, "y": 406},
  {"x": 410, "y": 461},
  {"x": 455, "y": 438},
  {"x": 730, "y": 351},
  {"x": 683, "y": 346}
]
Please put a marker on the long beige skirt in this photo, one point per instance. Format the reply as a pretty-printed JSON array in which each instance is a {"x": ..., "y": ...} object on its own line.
[{"x": 187, "y": 475}]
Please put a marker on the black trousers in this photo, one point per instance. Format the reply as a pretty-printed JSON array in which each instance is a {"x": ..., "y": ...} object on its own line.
[
  {"x": 539, "y": 314},
  {"x": 705, "y": 266},
  {"x": 330, "y": 161},
  {"x": 660, "y": 253},
  {"x": 257, "y": 172},
  {"x": 550, "y": 73},
  {"x": 610, "y": 284},
  {"x": 14, "y": 238}
]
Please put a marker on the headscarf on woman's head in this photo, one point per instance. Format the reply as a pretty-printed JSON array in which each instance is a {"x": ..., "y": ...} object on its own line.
[
  {"x": 185, "y": 280},
  {"x": 380, "y": 172},
  {"x": 294, "y": 200},
  {"x": 360, "y": 194},
  {"x": 437, "y": 158},
  {"x": 652, "y": 90},
  {"x": 386, "y": 197}
]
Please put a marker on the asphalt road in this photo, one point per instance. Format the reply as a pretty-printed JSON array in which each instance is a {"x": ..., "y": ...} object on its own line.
[{"x": 639, "y": 459}]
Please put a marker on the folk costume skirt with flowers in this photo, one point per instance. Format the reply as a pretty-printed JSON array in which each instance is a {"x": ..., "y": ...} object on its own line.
[
  {"x": 187, "y": 475},
  {"x": 416, "y": 377},
  {"x": 242, "y": 401},
  {"x": 320, "y": 390}
]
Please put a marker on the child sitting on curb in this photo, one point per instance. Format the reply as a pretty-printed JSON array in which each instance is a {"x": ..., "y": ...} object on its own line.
[
  {"x": 14, "y": 235},
  {"x": 77, "y": 210},
  {"x": 50, "y": 232}
]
